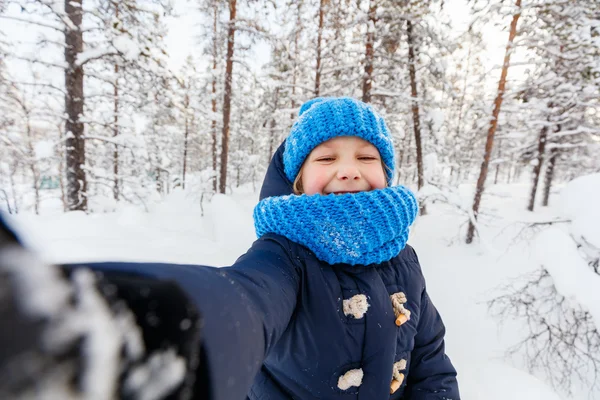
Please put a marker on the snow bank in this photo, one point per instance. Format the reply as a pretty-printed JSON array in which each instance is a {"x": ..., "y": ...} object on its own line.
[
  {"x": 572, "y": 277},
  {"x": 459, "y": 277},
  {"x": 559, "y": 254},
  {"x": 498, "y": 381},
  {"x": 580, "y": 202}
]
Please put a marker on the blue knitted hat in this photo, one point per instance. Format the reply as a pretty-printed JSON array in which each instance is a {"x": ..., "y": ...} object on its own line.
[{"x": 324, "y": 118}]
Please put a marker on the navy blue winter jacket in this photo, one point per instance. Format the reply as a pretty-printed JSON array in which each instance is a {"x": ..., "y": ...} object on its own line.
[{"x": 275, "y": 328}]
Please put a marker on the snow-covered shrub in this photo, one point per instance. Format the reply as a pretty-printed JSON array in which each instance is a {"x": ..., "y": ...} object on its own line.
[{"x": 560, "y": 302}]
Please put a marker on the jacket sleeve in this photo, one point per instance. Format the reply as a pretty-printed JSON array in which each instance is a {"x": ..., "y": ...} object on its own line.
[
  {"x": 432, "y": 375},
  {"x": 244, "y": 309}
]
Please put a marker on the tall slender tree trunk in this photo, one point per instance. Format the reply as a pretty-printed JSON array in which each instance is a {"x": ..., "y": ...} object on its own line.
[
  {"x": 493, "y": 123},
  {"x": 185, "y": 139},
  {"x": 227, "y": 96},
  {"x": 61, "y": 166},
  {"x": 13, "y": 185},
  {"x": 497, "y": 173},
  {"x": 549, "y": 175},
  {"x": 74, "y": 100},
  {"x": 213, "y": 128},
  {"x": 538, "y": 166},
  {"x": 35, "y": 173},
  {"x": 463, "y": 95},
  {"x": 367, "y": 83},
  {"x": 415, "y": 107},
  {"x": 296, "y": 55},
  {"x": 273, "y": 124},
  {"x": 29, "y": 157},
  {"x": 401, "y": 158},
  {"x": 319, "y": 40},
  {"x": 339, "y": 28},
  {"x": 498, "y": 164},
  {"x": 511, "y": 167},
  {"x": 116, "y": 188}
]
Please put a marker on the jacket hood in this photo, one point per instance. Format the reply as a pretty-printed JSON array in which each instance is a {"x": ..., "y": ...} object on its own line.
[{"x": 276, "y": 183}]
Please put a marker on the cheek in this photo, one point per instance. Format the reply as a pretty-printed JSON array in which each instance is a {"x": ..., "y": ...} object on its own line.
[
  {"x": 314, "y": 180},
  {"x": 377, "y": 178}
]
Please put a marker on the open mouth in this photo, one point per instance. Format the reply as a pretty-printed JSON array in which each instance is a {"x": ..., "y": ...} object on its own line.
[{"x": 345, "y": 192}]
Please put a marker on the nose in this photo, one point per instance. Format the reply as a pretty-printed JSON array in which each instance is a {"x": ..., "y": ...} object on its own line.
[{"x": 348, "y": 172}]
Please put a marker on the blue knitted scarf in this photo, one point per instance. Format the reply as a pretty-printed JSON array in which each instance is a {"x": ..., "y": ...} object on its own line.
[{"x": 355, "y": 228}]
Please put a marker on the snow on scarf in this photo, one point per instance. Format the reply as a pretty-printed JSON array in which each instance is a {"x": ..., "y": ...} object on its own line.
[{"x": 354, "y": 228}]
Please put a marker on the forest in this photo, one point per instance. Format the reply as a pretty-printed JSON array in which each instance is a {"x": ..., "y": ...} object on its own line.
[{"x": 101, "y": 107}]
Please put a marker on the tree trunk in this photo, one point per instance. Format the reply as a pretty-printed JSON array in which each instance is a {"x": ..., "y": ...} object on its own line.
[
  {"x": 32, "y": 166},
  {"x": 75, "y": 144},
  {"x": 493, "y": 123},
  {"x": 369, "y": 53},
  {"x": 549, "y": 176},
  {"x": 214, "y": 98},
  {"x": 339, "y": 28},
  {"x": 463, "y": 95},
  {"x": 406, "y": 144},
  {"x": 401, "y": 158},
  {"x": 61, "y": 166},
  {"x": 116, "y": 188},
  {"x": 296, "y": 55},
  {"x": 319, "y": 39},
  {"x": 498, "y": 164},
  {"x": 30, "y": 158},
  {"x": 185, "y": 139},
  {"x": 538, "y": 166},
  {"x": 496, "y": 174},
  {"x": 13, "y": 186},
  {"x": 227, "y": 96},
  {"x": 273, "y": 124},
  {"x": 415, "y": 107}
]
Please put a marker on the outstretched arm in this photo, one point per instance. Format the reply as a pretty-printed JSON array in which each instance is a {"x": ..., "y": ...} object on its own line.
[
  {"x": 224, "y": 320},
  {"x": 245, "y": 308}
]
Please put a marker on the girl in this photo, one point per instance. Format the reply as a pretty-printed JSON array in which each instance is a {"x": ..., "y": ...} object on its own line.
[
  {"x": 361, "y": 324},
  {"x": 329, "y": 302}
]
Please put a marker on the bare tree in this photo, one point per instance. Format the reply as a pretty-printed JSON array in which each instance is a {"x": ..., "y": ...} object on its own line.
[
  {"x": 74, "y": 100},
  {"x": 562, "y": 340},
  {"x": 227, "y": 95},
  {"x": 116, "y": 186},
  {"x": 215, "y": 57},
  {"x": 30, "y": 155},
  {"x": 367, "y": 83},
  {"x": 319, "y": 40},
  {"x": 494, "y": 122},
  {"x": 549, "y": 175},
  {"x": 22, "y": 147},
  {"x": 415, "y": 106},
  {"x": 538, "y": 165},
  {"x": 296, "y": 58}
]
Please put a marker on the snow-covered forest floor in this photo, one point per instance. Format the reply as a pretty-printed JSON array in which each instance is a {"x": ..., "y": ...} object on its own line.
[{"x": 461, "y": 278}]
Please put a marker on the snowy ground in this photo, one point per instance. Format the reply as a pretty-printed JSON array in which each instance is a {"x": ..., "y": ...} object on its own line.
[{"x": 460, "y": 277}]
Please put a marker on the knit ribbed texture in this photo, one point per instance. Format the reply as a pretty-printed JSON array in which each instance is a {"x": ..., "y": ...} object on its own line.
[
  {"x": 324, "y": 118},
  {"x": 354, "y": 228}
]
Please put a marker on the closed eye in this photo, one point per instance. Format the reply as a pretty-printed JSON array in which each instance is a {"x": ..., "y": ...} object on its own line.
[
  {"x": 367, "y": 158},
  {"x": 326, "y": 159}
]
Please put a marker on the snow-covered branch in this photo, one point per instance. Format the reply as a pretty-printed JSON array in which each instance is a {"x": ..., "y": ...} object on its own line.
[{"x": 32, "y": 22}]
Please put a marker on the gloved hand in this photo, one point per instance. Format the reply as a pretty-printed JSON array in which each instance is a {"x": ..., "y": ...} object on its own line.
[{"x": 69, "y": 332}]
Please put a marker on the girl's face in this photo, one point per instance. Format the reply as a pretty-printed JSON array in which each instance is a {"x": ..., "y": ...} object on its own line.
[{"x": 345, "y": 164}]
